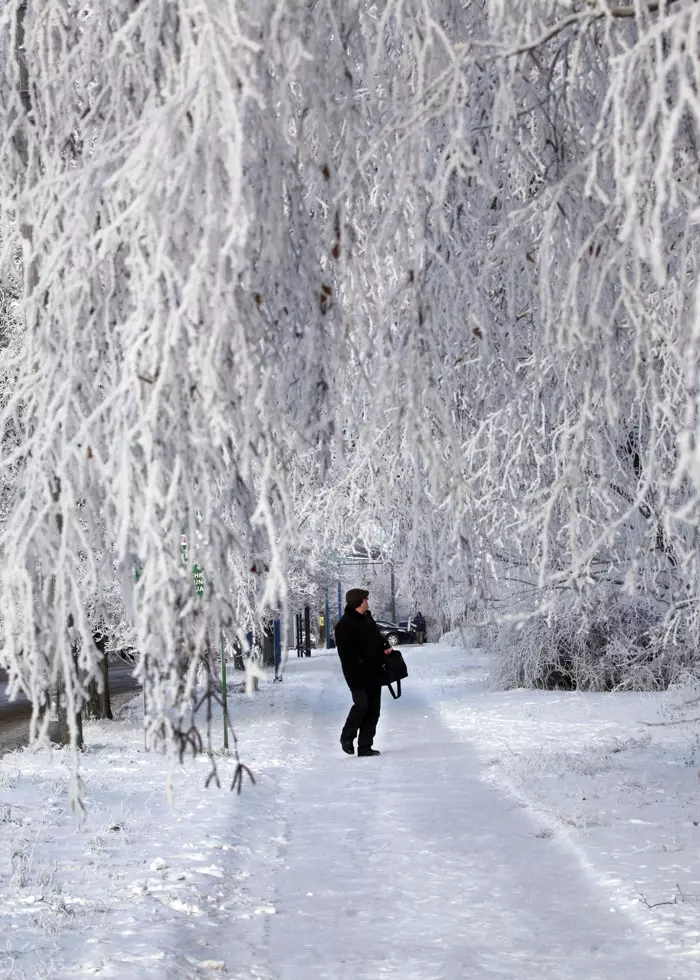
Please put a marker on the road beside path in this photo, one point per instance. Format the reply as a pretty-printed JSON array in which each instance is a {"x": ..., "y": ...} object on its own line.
[{"x": 15, "y": 715}]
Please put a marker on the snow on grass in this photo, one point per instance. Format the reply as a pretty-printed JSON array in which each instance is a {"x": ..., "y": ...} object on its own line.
[
  {"x": 624, "y": 795},
  {"x": 140, "y": 886}
]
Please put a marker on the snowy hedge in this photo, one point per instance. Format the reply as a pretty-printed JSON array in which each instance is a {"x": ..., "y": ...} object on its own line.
[
  {"x": 467, "y": 637},
  {"x": 609, "y": 642}
]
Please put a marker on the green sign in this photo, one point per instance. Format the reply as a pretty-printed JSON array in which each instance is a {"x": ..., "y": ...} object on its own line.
[
  {"x": 197, "y": 573},
  {"x": 198, "y": 579}
]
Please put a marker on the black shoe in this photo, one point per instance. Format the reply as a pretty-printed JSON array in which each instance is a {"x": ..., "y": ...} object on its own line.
[
  {"x": 347, "y": 747},
  {"x": 368, "y": 752}
]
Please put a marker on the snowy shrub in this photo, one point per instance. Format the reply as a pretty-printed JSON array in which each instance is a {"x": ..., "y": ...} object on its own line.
[
  {"x": 22, "y": 859},
  {"x": 453, "y": 638},
  {"x": 682, "y": 707},
  {"x": 610, "y": 642},
  {"x": 467, "y": 637}
]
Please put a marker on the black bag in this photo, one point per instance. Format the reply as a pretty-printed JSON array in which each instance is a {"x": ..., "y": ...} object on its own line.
[{"x": 394, "y": 670}]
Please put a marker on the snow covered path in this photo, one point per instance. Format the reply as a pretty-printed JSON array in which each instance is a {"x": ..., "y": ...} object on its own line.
[
  {"x": 500, "y": 836},
  {"x": 411, "y": 866}
]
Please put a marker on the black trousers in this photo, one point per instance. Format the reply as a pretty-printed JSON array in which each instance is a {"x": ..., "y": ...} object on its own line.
[{"x": 363, "y": 717}]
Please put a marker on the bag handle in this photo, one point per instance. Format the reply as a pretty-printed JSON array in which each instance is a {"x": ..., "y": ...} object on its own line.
[{"x": 398, "y": 689}]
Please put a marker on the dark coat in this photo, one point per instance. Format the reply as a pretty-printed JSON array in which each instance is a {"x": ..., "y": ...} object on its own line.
[{"x": 360, "y": 648}]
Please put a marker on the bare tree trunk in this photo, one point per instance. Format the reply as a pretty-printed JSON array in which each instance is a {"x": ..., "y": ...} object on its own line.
[
  {"x": 93, "y": 707},
  {"x": 59, "y": 732},
  {"x": 79, "y": 726},
  {"x": 99, "y": 706},
  {"x": 106, "y": 702},
  {"x": 78, "y": 715}
]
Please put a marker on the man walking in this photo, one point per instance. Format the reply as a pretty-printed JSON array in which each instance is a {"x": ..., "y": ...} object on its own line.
[{"x": 360, "y": 648}]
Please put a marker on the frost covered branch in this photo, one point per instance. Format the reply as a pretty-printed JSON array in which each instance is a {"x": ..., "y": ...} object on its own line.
[{"x": 418, "y": 273}]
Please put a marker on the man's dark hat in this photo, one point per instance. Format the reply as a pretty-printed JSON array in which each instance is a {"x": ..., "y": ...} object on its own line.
[{"x": 354, "y": 597}]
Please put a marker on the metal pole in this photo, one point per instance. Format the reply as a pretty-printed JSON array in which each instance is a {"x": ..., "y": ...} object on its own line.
[
  {"x": 340, "y": 601},
  {"x": 307, "y": 631},
  {"x": 145, "y": 681},
  {"x": 137, "y": 576},
  {"x": 224, "y": 693},
  {"x": 393, "y": 594},
  {"x": 328, "y": 624}
]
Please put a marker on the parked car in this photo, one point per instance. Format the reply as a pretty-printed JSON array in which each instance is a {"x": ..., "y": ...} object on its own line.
[{"x": 394, "y": 634}]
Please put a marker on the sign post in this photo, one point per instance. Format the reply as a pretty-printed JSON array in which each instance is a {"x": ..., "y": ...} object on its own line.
[
  {"x": 224, "y": 692},
  {"x": 137, "y": 575},
  {"x": 198, "y": 581}
]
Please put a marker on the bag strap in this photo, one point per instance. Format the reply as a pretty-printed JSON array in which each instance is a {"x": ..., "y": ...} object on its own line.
[{"x": 398, "y": 689}]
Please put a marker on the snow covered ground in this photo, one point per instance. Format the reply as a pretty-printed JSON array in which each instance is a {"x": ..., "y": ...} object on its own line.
[{"x": 500, "y": 836}]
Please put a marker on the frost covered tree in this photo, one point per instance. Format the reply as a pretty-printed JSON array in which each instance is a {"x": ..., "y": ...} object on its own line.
[
  {"x": 136, "y": 406},
  {"x": 426, "y": 265},
  {"x": 527, "y": 265}
]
